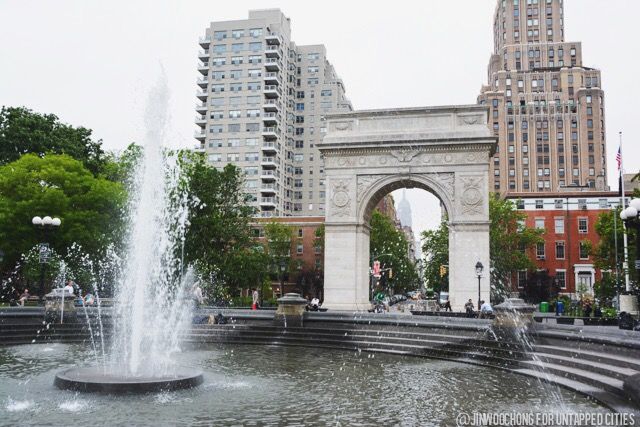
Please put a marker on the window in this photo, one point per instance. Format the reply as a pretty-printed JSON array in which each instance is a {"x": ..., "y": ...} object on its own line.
[
  {"x": 251, "y": 157},
  {"x": 215, "y": 129},
  {"x": 255, "y": 59},
  {"x": 215, "y": 158},
  {"x": 559, "y": 225},
  {"x": 219, "y": 61},
  {"x": 584, "y": 250},
  {"x": 237, "y": 47},
  {"x": 255, "y": 32},
  {"x": 299, "y": 232},
  {"x": 219, "y": 48},
  {"x": 251, "y": 142},
  {"x": 236, "y": 60},
  {"x": 233, "y": 143},
  {"x": 540, "y": 223},
  {"x": 299, "y": 249},
  {"x": 522, "y": 278},
  {"x": 234, "y": 127},
  {"x": 540, "y": 250},
  {"x": 253, "y": 127},
  {"x": 219, "y": 35},
  {"x": 233, "y": 157},
  {"x": 255, "y": 46},
  {"x": 539, "y": 204},
  {"x": 583, "y": 225},
  {"x": 561, "y": 278},
  {"x": 559, "y": 250},
  {"x": 236, "y": 34}
]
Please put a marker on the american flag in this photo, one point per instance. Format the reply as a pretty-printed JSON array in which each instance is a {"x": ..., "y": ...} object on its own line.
[{"x": 619, "y": 158}]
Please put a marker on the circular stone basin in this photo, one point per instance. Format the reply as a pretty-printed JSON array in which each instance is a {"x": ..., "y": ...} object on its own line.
[{"x": 95, "y": 380}]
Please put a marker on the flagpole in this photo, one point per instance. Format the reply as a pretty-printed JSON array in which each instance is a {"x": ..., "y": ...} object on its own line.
[{"x": 625, "y": 264}]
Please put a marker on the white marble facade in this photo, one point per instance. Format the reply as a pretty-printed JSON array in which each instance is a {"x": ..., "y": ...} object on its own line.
[{"x": 367, "y": 154}]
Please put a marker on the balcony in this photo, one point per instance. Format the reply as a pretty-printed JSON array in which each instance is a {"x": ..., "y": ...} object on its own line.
[
  {"x": 268, "y": 188},
  {"x": 198, "y": 148},
  {"x": 268, "y": 202},
  {"x": 273, "y": 39},
  {"x": 271, "y": 105},
  {"x": 202, "y": 95},
  {"x": 203, "y": 55},
  {"x": 272, "y": 51},
  {"x": 204, "y": 42},
  {"x": 270, "y": 119},
  {"x": 201, "y": 121},
  {"x": 269, "y": 162},
  {"x": 270, "y": 132},
  {"x": 203, "y": 67},
  {"x": 267, "y": 214},
  {"x": 200, "y": 135},
  {"x": 271, "y": 78},
  {"x": 203, "y": 82},
  {"x": 269, "y": 147},
  {"x": 271, "y": 91},
  {"x": 201, "y": 107},
  {"x": 272, "y": 64}
]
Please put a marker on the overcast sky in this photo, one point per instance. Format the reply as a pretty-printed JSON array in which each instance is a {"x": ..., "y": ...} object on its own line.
[{"x": 91, "y": 63}]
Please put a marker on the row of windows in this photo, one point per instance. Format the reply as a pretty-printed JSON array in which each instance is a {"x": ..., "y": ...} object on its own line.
[
  {"x": 237, "y": 47},
  {"x": 583, "y": 225},
  {"x": 561, "y": 278},
  {"x": 560, "y": 250},
  {"x": 560, "y": 203},
  {"x": 236, "y": 34}
]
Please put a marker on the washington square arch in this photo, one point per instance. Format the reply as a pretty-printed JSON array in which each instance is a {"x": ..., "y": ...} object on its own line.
[{"x": 367, "y": 154}]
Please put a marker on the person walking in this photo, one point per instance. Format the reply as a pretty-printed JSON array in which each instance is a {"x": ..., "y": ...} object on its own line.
[
  {"x": 256, "y": 299},
  {"x": 485, "y": 309},
  {"x": 468, "y": 308}
]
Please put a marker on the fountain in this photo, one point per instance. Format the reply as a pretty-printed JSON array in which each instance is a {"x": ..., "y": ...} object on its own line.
[{"x": 150, "y": 305}]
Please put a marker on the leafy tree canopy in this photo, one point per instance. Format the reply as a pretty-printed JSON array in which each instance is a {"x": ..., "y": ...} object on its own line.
[
  {"x": 90, "y": 208},
  {"x": 23, "y": 131}
]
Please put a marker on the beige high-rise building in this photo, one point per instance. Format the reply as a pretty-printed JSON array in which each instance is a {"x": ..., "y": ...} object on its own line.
[
  {"x": 262, "y": 104},
  {"x": 546, "y": 107}
]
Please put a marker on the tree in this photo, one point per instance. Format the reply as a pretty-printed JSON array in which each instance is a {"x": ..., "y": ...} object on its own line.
[
  {"x": 91, "y": 208},
  {"x": 391, "y": 246},
  {"x": 435, "y": 249},
  {"x": 23, "y": 131},
  {"x": 218, "y": 240},
  {"x": 610, "y": 230},
  {"x": 509, "y": 242},
  {"x": 278, "y": 247}
]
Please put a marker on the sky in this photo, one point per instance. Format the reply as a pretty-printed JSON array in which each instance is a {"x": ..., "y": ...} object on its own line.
[{"x": 92, "y": 62}]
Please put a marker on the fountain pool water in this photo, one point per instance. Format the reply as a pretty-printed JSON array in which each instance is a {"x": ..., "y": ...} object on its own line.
[
  {"x": 267, "y": 385},
  {"x": 151, "y": 308}
]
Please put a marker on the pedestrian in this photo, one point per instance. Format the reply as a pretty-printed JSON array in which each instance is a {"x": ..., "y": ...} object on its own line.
[
  {"x": 468, "y": 307},
  {"x": 196, "y": 294},
  {"x": 586, "y": 308},
  {"x": 447, "y": 306},
  {"x": 69, "y": 287},
  {"x": 256, "y": 299},
  {"x": 485, "y": 309},
  {"x": 24, "y": 297}
]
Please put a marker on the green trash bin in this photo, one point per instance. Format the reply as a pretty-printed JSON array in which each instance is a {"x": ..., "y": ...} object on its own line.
[{"x": 544, "y": 307}]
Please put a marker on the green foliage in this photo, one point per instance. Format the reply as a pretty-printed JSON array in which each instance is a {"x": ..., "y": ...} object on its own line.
[
  {"x": 90, "y": 208},
  {"x": 23, "y": 131},
  {"x": 509, "y": 242},
  {"x": 387, "y": 239},
  {"x": 610, "y": 228},
  {"x": 218, "y": 240},
  {"x": 605, "y": 288},
  {"x": 435, "y": 249}
]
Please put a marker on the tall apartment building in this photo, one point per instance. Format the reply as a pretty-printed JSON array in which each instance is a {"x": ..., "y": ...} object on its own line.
[
  {"x": 262, "y": 104},
  {"x": 546, "y": 107}
]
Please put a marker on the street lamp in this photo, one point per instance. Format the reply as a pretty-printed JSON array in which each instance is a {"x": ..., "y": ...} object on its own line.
[
  {"x": 45, "y": 223},
  {"x": 479, "y": 269},
  {"x": 283, "y": 267}
]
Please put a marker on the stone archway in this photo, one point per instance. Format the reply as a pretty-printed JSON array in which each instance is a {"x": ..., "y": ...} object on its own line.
[{"x": 367, "y": 154}]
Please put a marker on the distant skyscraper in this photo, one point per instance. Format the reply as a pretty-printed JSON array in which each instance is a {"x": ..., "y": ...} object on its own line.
[
  {"x": 404, "y": 210},
  {"x": 546, "y": 107},
  {"x": 262, "y": 104}
]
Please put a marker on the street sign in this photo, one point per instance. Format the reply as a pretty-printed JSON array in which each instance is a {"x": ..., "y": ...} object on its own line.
[
  {"x": 638, "y": 264},
  {"x": 44, "y": 253}
]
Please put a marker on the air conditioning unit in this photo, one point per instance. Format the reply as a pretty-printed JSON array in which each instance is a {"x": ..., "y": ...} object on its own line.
[{"x": 541, "y": 257}]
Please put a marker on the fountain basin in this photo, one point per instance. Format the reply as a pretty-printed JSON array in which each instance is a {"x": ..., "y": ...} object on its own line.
[{"x": 95, "y": 380}]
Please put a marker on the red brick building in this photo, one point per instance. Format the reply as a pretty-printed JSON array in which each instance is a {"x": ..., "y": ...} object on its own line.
[{"x": 568, "y": 220}]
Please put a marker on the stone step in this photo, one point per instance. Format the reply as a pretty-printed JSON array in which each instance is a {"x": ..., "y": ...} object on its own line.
[
  {"x": 595, "y": 356},
  {"x": 615, "y": 371},
  {"x": 587, "y": 377}
]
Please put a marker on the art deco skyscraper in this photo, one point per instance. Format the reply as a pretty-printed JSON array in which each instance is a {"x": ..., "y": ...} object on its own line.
[
  {"x": 262, "y": 104},
  {"x": 546, "y": 107}
]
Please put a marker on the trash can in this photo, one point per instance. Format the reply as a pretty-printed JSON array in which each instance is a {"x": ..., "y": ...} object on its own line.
[
  {"x": 559, "y": 308},
  {"x": 544, "y": 307}
]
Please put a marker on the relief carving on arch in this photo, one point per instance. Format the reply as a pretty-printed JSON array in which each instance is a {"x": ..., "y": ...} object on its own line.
[
  {"x": 340, "y": 199},
  {"x": 472, "y": 200}
]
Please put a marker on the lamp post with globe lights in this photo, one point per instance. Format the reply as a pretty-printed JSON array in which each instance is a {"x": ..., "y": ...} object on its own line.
[
  {"x": 45, "y": 224},
  {"x": 631, "y": 218},
  {"x": 479, "y": 270}
]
